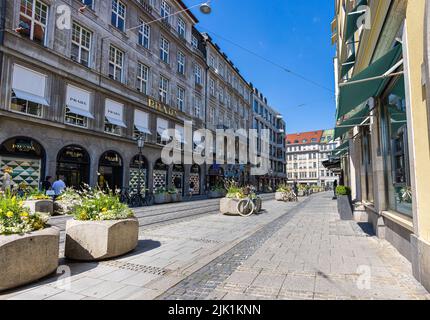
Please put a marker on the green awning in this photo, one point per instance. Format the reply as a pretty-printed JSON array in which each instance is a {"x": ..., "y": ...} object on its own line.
[
  {"x": 352, "y": 20},
  {"x": 353, "y": 120},
  {"x": 341, "y": 149},
  {"x": 347, "y": 65},
  {"x": 399, "y": 88},
  {"x": 354, "y": 94}
]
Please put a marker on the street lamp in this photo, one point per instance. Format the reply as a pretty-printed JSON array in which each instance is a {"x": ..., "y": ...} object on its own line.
[
  {"x": 205, "y": 8},
  {"x": 140, "y": 145}
]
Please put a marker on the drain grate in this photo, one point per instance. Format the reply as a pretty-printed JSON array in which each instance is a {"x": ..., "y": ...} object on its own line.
[
  {"x": 203, "y": 240},
  {"x": 137, "y": 267}
]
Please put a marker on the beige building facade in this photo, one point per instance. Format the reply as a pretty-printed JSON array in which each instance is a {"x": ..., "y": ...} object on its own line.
[{"x": 383, "y": 119}]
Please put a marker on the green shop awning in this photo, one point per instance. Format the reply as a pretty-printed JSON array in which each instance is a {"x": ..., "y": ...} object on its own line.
[
  {"x": 353, "y": 93},
  {"x": 352, "y": 19},
  {"x": 342, "y": 149},
  {"x": 351, "y": 121},
  {"x": 347, "y": 65},
  {"x": 399, "y": 88}
]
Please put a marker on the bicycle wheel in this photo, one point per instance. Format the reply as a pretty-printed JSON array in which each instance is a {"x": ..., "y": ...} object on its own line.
[{"x": 246, "y": 207}]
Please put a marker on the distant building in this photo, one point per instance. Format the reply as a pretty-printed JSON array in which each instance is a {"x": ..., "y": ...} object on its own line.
[{"x": 306, "y": 152}]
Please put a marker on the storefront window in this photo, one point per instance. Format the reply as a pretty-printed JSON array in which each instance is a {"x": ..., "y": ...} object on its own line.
[
  {"x": 75, "y": 119},
  {"x": 26, "y": 106},
  {"x": 397, "y": 151},
  {"x": 367, "y": 163}
]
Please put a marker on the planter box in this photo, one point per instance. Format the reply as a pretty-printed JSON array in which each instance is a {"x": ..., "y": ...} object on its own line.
[
  {"x": 280, "y": 196},
  {"x": 28, "y": 258},
  {"x": 344, "y": 207},
  {"x": 229, "y": 206},
  {"x": 62, "y": 207},
  {"x": 42, "y": 206},
  {"x": 100, "y": 240},
  {"x": 216, "y": 194},
  {"x": 176, "y": 197},
  {"x": 162, "y": 198}
]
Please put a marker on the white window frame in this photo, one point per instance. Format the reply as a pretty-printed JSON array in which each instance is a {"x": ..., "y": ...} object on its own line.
[
  {"x": 117, "y": 65},
  {"x": 81, "y": 46},
  {"x": 144, "y": 34},
  {"x": 164, "y": 50},
  {"x": 182, "y": 27},
  {"x": 120, "y": 11},
  {"x": 164, "y": 89},
  {"x": 34, "y": 21},
  {"x": 165, "y": 10},
  {"x": 142, "y": 78},
  {"x": 180, "y": 98},
  {"x": 198, "y": 74},
  {"x": 181, "y": 63}
]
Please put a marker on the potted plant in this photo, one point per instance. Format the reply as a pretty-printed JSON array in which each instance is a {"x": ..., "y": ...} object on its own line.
[
  {"x": 175, "y": 196},
  {"x": 228, "y": 204},
  {"x": 282, "y": 193},
  {"x": 65, "y": 203},
  {"x": 37, "y": 201},
  {"x": 161, "y": 195},
  {"x": 344, "y": 202},
  {"x": 29, "y": 249},
  {"x": 102, "y": 228},
  {"x": 217, "y": 191}
]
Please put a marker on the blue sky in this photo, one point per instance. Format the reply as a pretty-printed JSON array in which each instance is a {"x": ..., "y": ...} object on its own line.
[{"x": 293, "y": 33}]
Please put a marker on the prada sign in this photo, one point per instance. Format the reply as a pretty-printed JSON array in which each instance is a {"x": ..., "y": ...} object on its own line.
[{"x": 161, "y": 107}]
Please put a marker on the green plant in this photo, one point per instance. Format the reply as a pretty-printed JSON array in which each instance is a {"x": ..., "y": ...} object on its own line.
[
  {"x": 283, "y": 188},
  {"x": 16, "y": 219},
  {"x": 35, "y": 194},
  {"x": 234, "y": 191},
  {"x": 160, "y": 190},
  {"x": 173, "y": 191},
  {"x": 95, "y": 205},
  {"x": 343, "y": 191},
  {"x": 406, "y": 194}
]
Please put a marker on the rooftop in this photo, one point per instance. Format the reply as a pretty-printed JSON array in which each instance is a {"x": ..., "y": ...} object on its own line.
[{"x": 303, "y": 138}]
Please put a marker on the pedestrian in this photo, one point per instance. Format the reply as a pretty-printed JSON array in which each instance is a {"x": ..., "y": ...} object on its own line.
[
  {"x": 47, "y": 184},
  {"x": 59, "y": 186},
  {"x": 191, "y": 190},
  {"x": 334, "y": 189},
  {"x": 295, "y": 188}
]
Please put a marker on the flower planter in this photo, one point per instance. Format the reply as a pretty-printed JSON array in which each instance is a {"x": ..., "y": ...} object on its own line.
[
  {"x": 176, "y": 197},
  {"x": 62, "y": 207},
  {"x": 344, "y": 207},
  {"x": 42, "y": 206},
  {"x": 228, "y": 206},
  {"x": 100, "y": 240},
  {"x": 162, "y": 198},
  {"x": 281, "y": 196},
  {"x": 216, "y": 194},
  {"x": 28, "y": 258}
]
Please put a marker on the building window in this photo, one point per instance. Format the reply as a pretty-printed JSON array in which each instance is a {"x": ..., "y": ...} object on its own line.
[
  {"x": 81, "y": 45},
  {"x": 198, "y": 74},
  {"x": 164, "y": 50},
  {"x": 397, "y": 151},
  {"x": 164, "y": 89},
  {"x": 88, "y": 3},
  {"x": 181, "y": 28},
  {"x": 116, "y": 64},
  {"x": 165, "y": 10},
  {"x": 197, "y": 107},
  {"x": 181, "y": 98},
  {"x": 212, "y": 115},
  {"x": 26, "y": 106},
  {"x": 212, "y": 62},
  {"x": 118, "y": 14},
  {"x": 194, "y": 42},
  {"x": 75, "y": 119},
  {"x": 144, "y": 34},
  {"x": 33, "y": 20},
  {"x": 212, "y": 86},
  {"x": 181, "y": 63},
  {"x": 142, "y": 78}
]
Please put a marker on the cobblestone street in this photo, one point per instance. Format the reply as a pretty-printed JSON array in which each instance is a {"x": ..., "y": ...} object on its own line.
[{"x": 291, "y": 251}]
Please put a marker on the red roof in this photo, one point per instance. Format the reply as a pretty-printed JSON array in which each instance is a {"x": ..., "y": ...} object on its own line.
[{"x": 305, "y": 137}]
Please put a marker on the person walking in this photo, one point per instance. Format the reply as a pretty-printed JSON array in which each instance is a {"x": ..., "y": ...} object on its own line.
[
  {"x": 191, "y": 190},
  {"x": 47, "y": 184},
  {"x": 334, "y": 189},
  {"x": 59, "y": 186}
]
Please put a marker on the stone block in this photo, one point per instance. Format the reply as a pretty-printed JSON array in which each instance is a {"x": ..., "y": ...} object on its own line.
[
  {"x": 100, "y": 240},
  {"x": 42, "y": 206},
  {"x": 421, "y": 261},
  {"x": 29, "y": 257}
]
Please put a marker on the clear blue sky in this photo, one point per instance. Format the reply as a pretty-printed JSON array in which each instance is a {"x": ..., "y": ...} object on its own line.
[{"x": 292, "y": 33}]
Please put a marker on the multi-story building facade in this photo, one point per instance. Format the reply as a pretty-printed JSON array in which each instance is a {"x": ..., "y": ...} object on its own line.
[
  {"x": 382, "y": 81},
  {"x": 266, "y": 117},
  {"x": 306, "y": 153},
  {"x": 74, "y": 97},
  {"x": 228, "y": 106}
]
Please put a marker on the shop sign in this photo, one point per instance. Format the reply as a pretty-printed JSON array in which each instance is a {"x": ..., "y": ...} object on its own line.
[
  {"x": 74, "y": 154},
  {"x": 161, "y": 107},
  {"x": 22, "y": 146}
]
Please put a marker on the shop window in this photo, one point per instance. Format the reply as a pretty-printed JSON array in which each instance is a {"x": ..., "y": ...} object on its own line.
[
  {"x": 26, "y": 106},
  {"x": 76, "y": 119},
  {"x": 397, "y": 152}
]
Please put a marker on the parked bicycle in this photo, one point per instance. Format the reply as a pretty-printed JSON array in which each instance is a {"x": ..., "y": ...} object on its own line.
[{"x": 247, "y": 207}]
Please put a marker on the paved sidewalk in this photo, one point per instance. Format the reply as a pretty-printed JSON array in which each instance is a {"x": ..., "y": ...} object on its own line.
[
  {"x": 317, "y": 256},
  {"x": 292, "y": 251}
]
